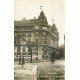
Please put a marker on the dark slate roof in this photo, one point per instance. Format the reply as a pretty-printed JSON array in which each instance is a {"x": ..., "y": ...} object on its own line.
[
  {"x": 54, "y": 27},
  {"x": 25, "y": 22},
  {"x": 42, "y": 20}
]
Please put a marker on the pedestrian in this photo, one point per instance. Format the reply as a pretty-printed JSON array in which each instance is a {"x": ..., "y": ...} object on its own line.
[{"x": 23, "y": 62}]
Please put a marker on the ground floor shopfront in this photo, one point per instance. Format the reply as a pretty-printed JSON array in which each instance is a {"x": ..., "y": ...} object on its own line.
[{"x": 40, "y": 52}]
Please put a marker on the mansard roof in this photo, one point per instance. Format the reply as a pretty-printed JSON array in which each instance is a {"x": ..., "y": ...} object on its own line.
[
  {"x": 25, "y": 22},
  {"x": 42, "y": 20},
  {"x": 54, "y": 27}
]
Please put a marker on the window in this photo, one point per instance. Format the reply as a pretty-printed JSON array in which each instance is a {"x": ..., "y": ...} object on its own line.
[
  {"x": 36, "y": 33},
  {"x": 30, "y": 28},
  {"x": 29, "y": 34},
  {"x": 36, "y": 27},
  {"x": 45, "y": 42},
  {"x": 45, "y": 33},
  {"x": 44, "y": 27}
]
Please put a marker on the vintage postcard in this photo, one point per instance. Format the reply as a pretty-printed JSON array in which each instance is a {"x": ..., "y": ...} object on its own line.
[{"x": 39, "y": 40}]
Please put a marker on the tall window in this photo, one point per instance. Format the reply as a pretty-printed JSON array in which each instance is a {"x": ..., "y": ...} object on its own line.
[
  {"x": 30, "y": 27},
  {"x": 29, "y": 34},
  {"x": 36, "y": 33}
]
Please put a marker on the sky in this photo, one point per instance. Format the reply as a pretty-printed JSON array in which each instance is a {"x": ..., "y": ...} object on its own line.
[{"x": 53, "y": 9}]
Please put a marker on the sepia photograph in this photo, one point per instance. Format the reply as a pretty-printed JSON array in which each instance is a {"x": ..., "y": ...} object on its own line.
[{"x": 39, "y": 39}]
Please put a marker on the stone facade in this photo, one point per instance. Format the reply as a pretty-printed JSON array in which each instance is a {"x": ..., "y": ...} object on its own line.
[{"x": 36, "y": 34}]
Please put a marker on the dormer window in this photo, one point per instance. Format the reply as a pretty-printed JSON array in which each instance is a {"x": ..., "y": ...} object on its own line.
[{"x": 36, "y": 27}]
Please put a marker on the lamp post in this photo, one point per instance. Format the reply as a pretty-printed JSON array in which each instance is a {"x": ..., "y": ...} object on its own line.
[
  {"x": 36, "y": 44},
  {"x": 30, "y": 52},
  {"x": 37, "y": 49},
  {"x": 19, "y": 48},
  {"x": 19, "y": 53}
]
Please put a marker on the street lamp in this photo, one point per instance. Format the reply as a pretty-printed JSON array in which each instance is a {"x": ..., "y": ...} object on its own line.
[
  {"x": 30, "y": 51},
  {"x": 37, "y": 48}
]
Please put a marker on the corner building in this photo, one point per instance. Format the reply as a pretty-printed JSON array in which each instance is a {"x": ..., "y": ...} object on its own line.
[{"x": 37, "y": 35}]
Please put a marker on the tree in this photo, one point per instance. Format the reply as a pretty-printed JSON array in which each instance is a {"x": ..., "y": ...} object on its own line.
[{"x": 62, "y": 52}]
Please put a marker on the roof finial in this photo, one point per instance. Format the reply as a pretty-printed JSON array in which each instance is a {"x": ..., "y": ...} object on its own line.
[
  {"x": 41, "y": 8},
  {"x": 53, "y": 21}
]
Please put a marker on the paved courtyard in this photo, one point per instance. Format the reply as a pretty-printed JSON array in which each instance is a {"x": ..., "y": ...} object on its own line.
[{"x": 49, "y": 69}]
